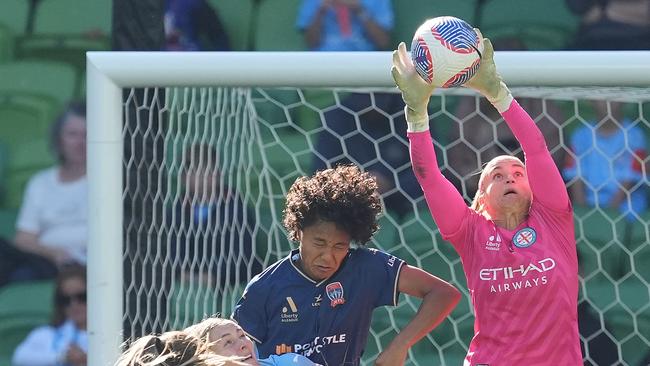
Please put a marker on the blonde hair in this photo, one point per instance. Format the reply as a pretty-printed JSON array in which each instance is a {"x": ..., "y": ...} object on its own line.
[
  {"x": 169, "y": 349},
  {"x": 202, "y": 329},
  {"x": 478, "y": 203}
]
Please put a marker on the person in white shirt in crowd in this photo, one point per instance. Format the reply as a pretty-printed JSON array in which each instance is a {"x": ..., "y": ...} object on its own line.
[{"x": 52, "y": 222}]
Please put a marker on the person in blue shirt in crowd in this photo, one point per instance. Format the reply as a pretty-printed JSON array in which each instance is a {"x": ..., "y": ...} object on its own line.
[
  {"x": 64, "y": 341},
  {"x": 318, "y": 301},
  {"x": 606, "y": 164},
  {"x": 194, "y": 25},
  {"x": 346, "y": 25}
]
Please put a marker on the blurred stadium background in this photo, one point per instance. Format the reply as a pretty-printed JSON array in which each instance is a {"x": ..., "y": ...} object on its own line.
[{"x": 42, "y": 66}]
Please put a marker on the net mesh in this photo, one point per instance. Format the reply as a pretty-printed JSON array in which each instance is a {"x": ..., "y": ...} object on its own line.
[{"x": 207, "y": 169}]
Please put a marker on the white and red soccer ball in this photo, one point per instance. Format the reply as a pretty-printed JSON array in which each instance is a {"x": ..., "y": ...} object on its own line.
[{"x": 446, "y": 51}]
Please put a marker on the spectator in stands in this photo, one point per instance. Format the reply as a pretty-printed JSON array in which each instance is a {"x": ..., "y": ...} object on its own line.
[
  {"x": 346, "y": 25},
  {"x": 194, "y": 25},
  {"x": 361, "y": 25},
  {"x": 64, "y": 341},
  {"x": 606, "y": 164},
  {"x": 52, "y": 222},
  {"x": 212, "y": 228},
  {"x": 612, "y": 24},
  {"x": 226, "y": 338}
]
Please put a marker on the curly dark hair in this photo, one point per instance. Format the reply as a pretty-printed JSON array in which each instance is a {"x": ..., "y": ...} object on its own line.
[{"x": 344, "y": 195}]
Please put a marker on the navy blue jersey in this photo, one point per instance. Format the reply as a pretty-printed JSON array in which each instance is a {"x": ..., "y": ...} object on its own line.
[{"x": 283, "y": 310}]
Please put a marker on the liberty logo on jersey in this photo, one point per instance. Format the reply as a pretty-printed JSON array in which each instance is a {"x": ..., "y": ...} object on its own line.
[
  {"x": 334, "y": 291},
  {"x": 289, "y": 317},
  {"x": 493, "y": 242}
]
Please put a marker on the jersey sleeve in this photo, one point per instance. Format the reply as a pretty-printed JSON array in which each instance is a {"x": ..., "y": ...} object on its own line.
[
  {"x": 446, "y": 205},
  {"x": 250, "y": 312},
  {"x": 382, "y": 275},
  {"x": 544, "y": 177}
]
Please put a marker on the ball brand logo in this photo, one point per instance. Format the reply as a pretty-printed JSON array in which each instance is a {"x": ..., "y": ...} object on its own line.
[
  {"x": 334, "y": 291},
  {"x": 505, "y": 273},
  {"x": 289, "y": 316}
]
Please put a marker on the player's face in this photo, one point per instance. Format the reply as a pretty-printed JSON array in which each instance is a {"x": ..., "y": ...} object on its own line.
[
  {"x": 73, "y": 140},
  {"x": 506, "y": 187},
  {"x": 73, "y": 299},
  {"x": 323, "y": 247},
  {"x": 229, "y": 339}
]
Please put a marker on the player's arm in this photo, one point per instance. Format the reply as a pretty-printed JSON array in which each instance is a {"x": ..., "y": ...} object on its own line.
[
  {"x": 438, "y": 300},
  {"x": 445, "y": 203},
  {"x": 543, "y": 175}
]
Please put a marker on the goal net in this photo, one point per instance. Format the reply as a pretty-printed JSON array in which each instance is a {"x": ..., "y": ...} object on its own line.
[{"x": 189, "y": 170}]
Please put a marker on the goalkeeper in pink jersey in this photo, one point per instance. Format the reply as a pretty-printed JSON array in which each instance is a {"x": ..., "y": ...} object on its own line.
[{"x": 516, "y": 241}]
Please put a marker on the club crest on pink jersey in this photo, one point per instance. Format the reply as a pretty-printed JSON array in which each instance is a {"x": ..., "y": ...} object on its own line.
[
  {"x": 334, "y": 291},
  {"x": 524, "y": 237}
]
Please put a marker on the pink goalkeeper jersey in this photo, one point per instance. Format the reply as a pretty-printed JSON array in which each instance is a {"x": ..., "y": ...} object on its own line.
[{"x": 524, "y": 282}]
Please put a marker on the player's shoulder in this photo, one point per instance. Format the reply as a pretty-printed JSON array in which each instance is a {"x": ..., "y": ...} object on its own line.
[
  {"x": 272, "y": 272},
  {"x": 373, "y": 255}
]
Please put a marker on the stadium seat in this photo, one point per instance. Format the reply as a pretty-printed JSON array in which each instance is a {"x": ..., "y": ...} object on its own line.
[
  {"x": 65, "y": 29},
  {"x": 67, "y": 17},
  {"x": 8, "y": 223},
  {"x": 236, "y": 18},
  {"x": 540, "y": 24},
  {"x": 13, "y": 15},
  {"x": 69, "y": 49},
  {"x": 275, "y": 28},
  {"x": 27, "y": 148},
  {"x": 6, "y": 44},
  {"x": 407, "y": 20},
  {"x": 51, "y": 79},
  {"x": 23, "y": 306}
]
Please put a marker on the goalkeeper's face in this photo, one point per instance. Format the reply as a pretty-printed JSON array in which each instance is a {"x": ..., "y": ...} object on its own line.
[{"x": 323, "y": 247}]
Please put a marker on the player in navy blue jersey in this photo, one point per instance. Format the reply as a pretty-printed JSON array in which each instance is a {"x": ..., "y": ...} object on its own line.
[{"x": 318, "y": 301}]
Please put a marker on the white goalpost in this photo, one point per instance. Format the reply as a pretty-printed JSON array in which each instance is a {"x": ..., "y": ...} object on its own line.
[{"x": 222, "y": 100}]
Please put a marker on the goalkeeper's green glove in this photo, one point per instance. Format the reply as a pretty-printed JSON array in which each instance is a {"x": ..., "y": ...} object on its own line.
[
  {"x": 487, "y": 80},
  {"x": 415, "y": 91}
]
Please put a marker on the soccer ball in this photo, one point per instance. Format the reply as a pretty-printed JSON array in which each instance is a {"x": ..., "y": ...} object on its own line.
[{"x": 446, "y": 51}]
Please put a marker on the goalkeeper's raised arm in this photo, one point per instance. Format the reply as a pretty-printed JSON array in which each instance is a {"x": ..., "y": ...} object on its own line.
[{"x": 516, "y": 241}]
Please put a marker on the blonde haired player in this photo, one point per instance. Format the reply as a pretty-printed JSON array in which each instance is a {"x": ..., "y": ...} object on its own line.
[{"x": 516, "y": 241}]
